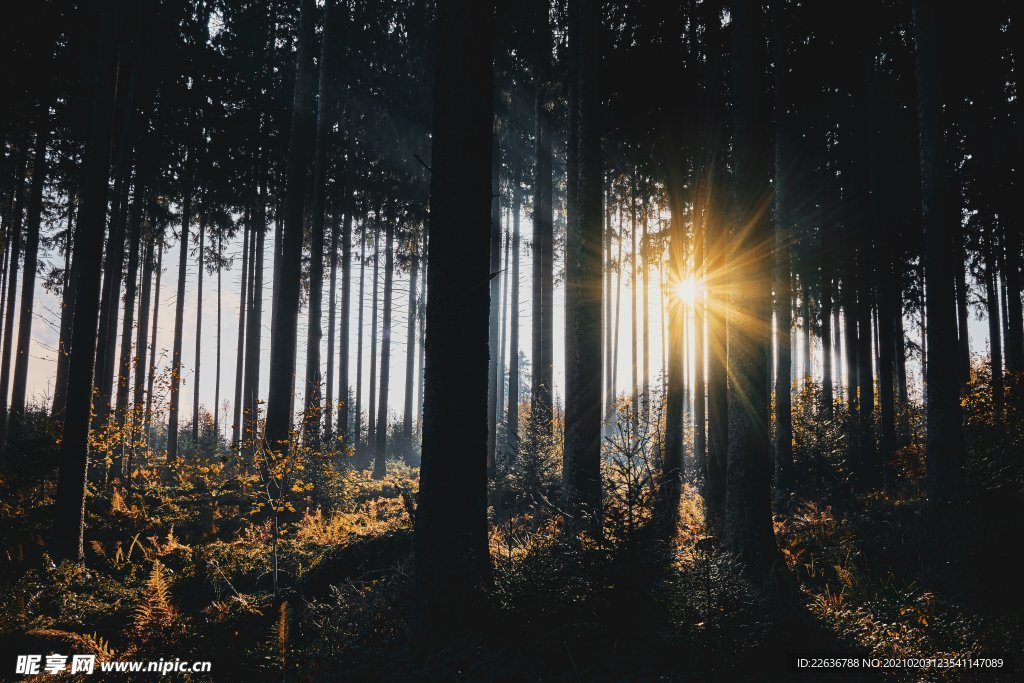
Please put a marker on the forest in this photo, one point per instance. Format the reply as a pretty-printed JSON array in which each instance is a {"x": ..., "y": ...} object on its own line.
[{"x": 480, "y": 340}]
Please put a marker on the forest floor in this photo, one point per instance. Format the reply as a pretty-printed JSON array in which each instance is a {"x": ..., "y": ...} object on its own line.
[{"x": 180, "y": 566}]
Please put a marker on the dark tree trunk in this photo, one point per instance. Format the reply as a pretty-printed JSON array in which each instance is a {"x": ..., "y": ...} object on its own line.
[
  {"x": 152, "y": 346},
  {"x": 243, "y": 303},
  {"x": 583, "y": 283},
  {"x": 944, "y": 441},
  {"x": 543, "y": 248},
  {"x": 995, "y": 347},
  {"x": 331, "y": 319},
  {"x": 358, "y": 416},
  {"x": 288, "y": 277},
  {"x": 69, "y": 502},
  {"x": 785, "y": 179},
  {"x": 179, "y": 319},
  {"x": 380, "y": 446},
  {"x": 113, "y": 263},
  {"x": 344, "y": 382},
  {"x": 14, "y": 239},
  {"x": 142, "y": 334},
  {"x": 371, "y": 413},
  {"x": 748, "y": 517},
  {"x": 673, "y": 469},
  {"x": 512, "y": 421},
  {"x": 453, "y": 572},
  {"x": 125, "y": 360},
  {"x": 315, "y": 333},
  {"x": 199, "y": 334},
  {"x": 28, "y": 283},
  {"x": 495, "y": 290},
  {"x": 254, "y": 321},
  {"x": 410, "y": 356}
]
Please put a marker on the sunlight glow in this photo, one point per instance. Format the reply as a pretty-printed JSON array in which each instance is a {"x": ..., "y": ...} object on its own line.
[{"x": 689, "y": 290}]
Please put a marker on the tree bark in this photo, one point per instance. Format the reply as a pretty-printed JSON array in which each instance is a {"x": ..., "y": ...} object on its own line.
[
  {"x": 583, "y": 284},
  {"x": 179, "y": 318},
  {"x": 453, "y": 572},
  {"x": 380, "y": 447},
  {"x": 69, "y": 502},
  {"x": 541, "y": 398},
  {"x": 748, "y": 519},
  {"x": 28, "y": 283},
  {"x": 940, "y": 214},
  {"x": 288, "y": 277}
]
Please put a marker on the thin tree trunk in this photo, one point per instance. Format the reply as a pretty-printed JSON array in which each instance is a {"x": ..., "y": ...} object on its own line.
[
  {"x": 315, "y": 333},
  {"x": 380, "y": 447},
  {"x": 512, "y": 421},
  {"x": 331, "y": 317},
  {"x": 493, "y": 311},
  {"x": 243, "y": 304},
  {"x": 543, "y": 260},
  {"x": 156, "y": 326},
  {"x": 9, "y": 306},
  {"x": 28, "y": 283},
  {"x": 179, "y": 320},
  {"x": 344, "y": 381},
  {"x": 254, "y": 321},
  {"x": 994, "y": 332},
  {"x": 371, "y": 422},
  {"x": 134, "y": 247},
  {"x": 216, "y": 384},
  {"x": 410, "y": 356},
  {"x": 199, "y": 335},
  {"x": 358, "y": 417}
]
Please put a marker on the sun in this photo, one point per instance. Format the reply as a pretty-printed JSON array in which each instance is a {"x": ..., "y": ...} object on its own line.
[{"x": 689, "y": 290}]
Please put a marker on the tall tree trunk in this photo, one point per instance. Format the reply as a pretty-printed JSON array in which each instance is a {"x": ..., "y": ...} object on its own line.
[
  {"x": 28, "y": 283},
  {"x": 14, "y": 239},
  {"x": 179, "y": 318},
  {"x": 371, "y": 413},
  {"x": 243, "y": 304},
  {"x": 288, "y": 278},
  {"x": 451, "y": 557},
  {"x": 152, "y": 345},
  {"x": 995, "y": 347},
  {"x": 410, "y": 356},
  {"x": 315, "y": 333},
  {"x": 134, "y": 244},
  {"x": 543, "y": 240},
  {"x": 142, "y": 332},
  {"x": 494, "y": 286},
  {"x": 944, "y": 441},
  {"x": 344, "y": 381},
  {"x": 673, "y": 468},
  {"x": 633, "y": 305},
  {"x": 113, "y": 263},
  {"x": 216, "y": 384},
  {"x": 69, "y": 503},
  {"x": 199, "y": 334},
  {"x": 512, "y": 421},
  {"x": 254, "y": 320},
  {"x": 960, "y": 282},
  {"x": 748, "y": 519},
  {"x": 584, "y": 281},
  {"x": 331, "y": 317},
  {"x": 380, "y": 446},
  {"x": 358, "y": 417},
  {"x": 785, "y": 177}
]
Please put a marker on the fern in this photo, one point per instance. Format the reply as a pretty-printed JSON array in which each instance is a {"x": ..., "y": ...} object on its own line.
[{"x": 155, "y": 615}]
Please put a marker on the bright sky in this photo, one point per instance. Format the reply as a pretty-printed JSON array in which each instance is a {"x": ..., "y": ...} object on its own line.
[{"x": 45, "y": 329}]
